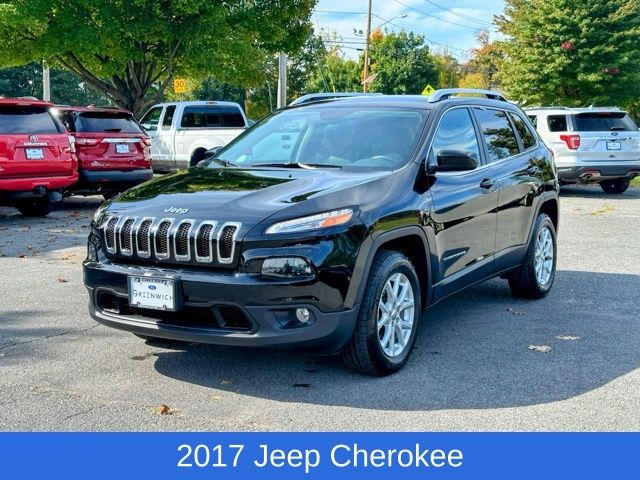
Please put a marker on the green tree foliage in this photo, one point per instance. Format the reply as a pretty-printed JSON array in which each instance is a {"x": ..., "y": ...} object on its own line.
[
  {"x": 66, "y": 87},
  {"x": 571, "y": 52},
  {"x": 483, "y": 69},
  {"x": 130, "y": 50},
  {"x": 448, "y": 70},
  {"x": 335, "y": 73},
  {"x": 402, "y": 62}
]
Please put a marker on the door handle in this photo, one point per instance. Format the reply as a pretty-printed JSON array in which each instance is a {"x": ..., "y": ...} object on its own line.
[{"x": 488, "y": 183}]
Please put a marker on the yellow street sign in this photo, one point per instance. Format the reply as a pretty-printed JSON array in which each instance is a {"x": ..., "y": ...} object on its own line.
[
  {"x": 179, "y": 85},
  {"x": 428, "y": 90}
]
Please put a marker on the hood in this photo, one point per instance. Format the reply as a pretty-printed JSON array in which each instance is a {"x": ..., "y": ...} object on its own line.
[{"x": 248, "y": 196}]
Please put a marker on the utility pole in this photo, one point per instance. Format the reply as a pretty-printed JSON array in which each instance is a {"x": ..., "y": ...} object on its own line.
[
  {"x": 282, "y": 80},
  {"x": 365, "y": 85},
  {"x": 46, "y": 87}
]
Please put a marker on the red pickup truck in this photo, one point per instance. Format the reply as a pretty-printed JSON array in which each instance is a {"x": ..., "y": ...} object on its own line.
[
  {"x": 37, "y": 156},
  {"x": 113, "y": 149}
]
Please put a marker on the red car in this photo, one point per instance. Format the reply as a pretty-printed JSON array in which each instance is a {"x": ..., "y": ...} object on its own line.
[
  {"x": 112, "y": 148},
  {"x": 37, "y": 159}
]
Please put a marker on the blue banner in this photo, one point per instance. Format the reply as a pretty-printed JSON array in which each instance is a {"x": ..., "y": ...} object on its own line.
[{"x": 320, "y": 455}]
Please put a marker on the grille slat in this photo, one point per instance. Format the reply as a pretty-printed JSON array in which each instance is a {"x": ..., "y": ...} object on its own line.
[{"x": 170, "y": 239}]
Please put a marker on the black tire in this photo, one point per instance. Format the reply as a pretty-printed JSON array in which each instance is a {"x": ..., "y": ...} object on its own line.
[
  {"x": 197, "y": 157},
  {"x": 524, "y": 282},
  {"x": 365, "y": 353},
  {"x": 617, "y": 186},
  {"x": 36, "y": 207}
]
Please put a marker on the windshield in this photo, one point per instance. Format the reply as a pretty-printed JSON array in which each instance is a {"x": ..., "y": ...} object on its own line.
[
  {"x": 105, "y": 122},
  {"x": 26, "y": 120},
  {"x": 336, "y": 136},
  {"x": 604, "y": 122}
]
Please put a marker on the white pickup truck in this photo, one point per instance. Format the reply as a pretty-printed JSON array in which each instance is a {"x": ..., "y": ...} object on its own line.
[{"x": 181, "y": 132}]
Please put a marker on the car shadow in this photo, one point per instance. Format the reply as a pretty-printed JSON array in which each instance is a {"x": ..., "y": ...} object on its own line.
[
  {"x": 594, "y": 191},
  {"x": 474, "y": 350},
  {"x": 66, "y": 227}
]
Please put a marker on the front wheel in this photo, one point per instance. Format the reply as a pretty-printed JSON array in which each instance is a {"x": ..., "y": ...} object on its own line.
[
  {"x": 535, "y": 277},
  {"x": 388, "y": 318},
  {"x": 36, "y": 207},
  {"x": 619, "y": 185}
]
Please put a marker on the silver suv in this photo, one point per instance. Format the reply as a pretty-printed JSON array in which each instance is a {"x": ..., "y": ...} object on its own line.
[{"x": 591, "y": 145}]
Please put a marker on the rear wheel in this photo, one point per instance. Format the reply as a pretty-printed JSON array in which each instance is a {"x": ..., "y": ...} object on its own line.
[
  {"x": 35, "y": 207},
  {"x": 619, "y": 185},
  {"x": 535, "y": 277},
  {"x": 388, "y": 318}
]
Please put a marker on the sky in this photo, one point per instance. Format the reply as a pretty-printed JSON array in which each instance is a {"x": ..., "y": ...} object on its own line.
[{"x": 447, "y": 25}]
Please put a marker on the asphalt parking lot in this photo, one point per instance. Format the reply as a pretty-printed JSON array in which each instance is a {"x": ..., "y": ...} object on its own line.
[{"x": 472, "y": 368}]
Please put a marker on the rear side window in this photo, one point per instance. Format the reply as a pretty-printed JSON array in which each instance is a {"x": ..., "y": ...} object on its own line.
[
  {"x": 456, "y": 131},
  {"x": 106, "y": 122},
  {"x": 231, "y": 117},
  {"x": 27, "y": 120},
  {"x": 557, "y": 123},
  {"x": 526, "y": 135},
  {"x": 151, "y": 119},
  {"x": 534, "y": 120},
  {"x": 603, "y": 122},
  {"x": 200, "y": 117},
  {"x": 167, "y": 120},
  {"x": 498, "y": 134}
]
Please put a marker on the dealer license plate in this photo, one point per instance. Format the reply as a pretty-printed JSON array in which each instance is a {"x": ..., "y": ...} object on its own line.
[
  {"x": 122, "y": 148},
  {"x": 34, "y": 153},
  {"x": 614, "y": 146},
  {"x": 152, "y": 292}
]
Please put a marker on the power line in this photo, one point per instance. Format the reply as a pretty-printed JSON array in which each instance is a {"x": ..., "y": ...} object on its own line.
[
  {"x": 434, "y": 16},
  {"x": 458, "y": 14}
]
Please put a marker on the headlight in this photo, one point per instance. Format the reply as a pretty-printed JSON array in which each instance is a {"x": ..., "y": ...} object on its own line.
[
  {"x": 98, "y": 213},
  {"x": 313, "y": 222}
]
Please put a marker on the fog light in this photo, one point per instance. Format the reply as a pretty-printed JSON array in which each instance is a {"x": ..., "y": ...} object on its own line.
[
  {"x": 303, "y": 315},
  {"x": 286, "y": 267}
]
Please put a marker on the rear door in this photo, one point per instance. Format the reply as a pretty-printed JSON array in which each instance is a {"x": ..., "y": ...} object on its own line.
[
  {"x": 32, "y": 143},
  {"x": 606, "y": 136},
  {"x": 464, "y": 207}
]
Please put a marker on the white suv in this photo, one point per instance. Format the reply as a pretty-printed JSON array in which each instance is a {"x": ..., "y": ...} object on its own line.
[{"x": 591, "y": 145}]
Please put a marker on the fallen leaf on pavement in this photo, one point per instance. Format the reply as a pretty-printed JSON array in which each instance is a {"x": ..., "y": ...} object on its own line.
[
  {"x": 540, "y": 348},
  {"x": 63, "y": 280},
  {"x": 567, "y": 337},
  {"x": 215, "y": 397},
  {"x": 163, "y": 410},
  {"x": 513, "y": 311},
  {"x": 225, "y": 382}
]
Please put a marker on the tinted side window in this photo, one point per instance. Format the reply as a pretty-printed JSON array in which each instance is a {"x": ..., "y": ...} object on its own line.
[
  {"x": 534, "y": 120},
  {"x": 456, "y": 131},
  {"x": 200, "y": 117},
  {"x": 151, "y": 119},
  {"x": 231, "y": 117},
  {"x": 557, "y": 123},
  {"x": 527, "y": 136},
  {"x": 168, "y": 117},
  {"x": 498, "y": 134}
]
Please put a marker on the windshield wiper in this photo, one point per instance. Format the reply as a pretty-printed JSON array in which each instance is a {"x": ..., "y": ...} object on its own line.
[
  {"x": 308, "y": 166},
  {"x": 224, "y": 163}
]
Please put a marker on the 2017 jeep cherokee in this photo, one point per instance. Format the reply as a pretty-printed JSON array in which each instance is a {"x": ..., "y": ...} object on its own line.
[{"x": 330, "y": 226}]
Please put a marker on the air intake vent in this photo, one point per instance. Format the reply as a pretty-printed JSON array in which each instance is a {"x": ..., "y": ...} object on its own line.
[
  {"x": 125, "y": 236},
  {"x": 110, "y": 234},
  {"x": 226, "y": 242},
  {"x": 181, "y": 240},
  {"x": 143, "y": 238},
  {"x": 162, "y": 239},
  {"x": 204, "y": 242}
]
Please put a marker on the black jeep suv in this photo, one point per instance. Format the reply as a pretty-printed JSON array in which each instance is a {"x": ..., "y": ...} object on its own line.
[{"x": 329, "y": 226}]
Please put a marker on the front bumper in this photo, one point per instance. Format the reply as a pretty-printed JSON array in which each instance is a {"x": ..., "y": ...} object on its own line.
[
  {"x": 597, "y": 172},
  {"x": 267, "y": 310}
]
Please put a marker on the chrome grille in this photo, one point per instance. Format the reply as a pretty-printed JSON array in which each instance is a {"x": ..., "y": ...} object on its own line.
[{"x": 170, "y": 239}]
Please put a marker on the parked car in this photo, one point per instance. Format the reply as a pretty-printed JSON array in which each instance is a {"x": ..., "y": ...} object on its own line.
[
  {"x": 37, "y": 159},
  {"x": 181, "y": 132},
  {"x": 317, "y": 97},
  {"x": 112, "y": 148},
  {"x": 591, "y": 145},
  {"x": 329, "y": 227}
]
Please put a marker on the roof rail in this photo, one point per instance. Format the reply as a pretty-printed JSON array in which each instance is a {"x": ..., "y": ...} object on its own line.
[
  {"x": 445, "y": 93},
  {"x": 551, "y": 107}
]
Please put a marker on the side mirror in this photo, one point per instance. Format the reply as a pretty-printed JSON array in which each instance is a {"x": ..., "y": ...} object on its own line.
[
  {"x": 454, "y": 160},
  {"x": 212, "y": 152}
]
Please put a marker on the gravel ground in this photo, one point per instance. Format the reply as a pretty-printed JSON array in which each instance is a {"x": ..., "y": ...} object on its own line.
[{"x": 472, "y": 368}]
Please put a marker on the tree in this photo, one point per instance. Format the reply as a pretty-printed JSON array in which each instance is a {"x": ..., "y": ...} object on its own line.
[
  {"x": 130, "y": 50},
  {"x": 571, "y": 53},
  {"x": 448, "y": 70},
  {"x": 482, "y": 70},
  {"x": 334, "y": 73},
  {"x": 401, "y": 62}
]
